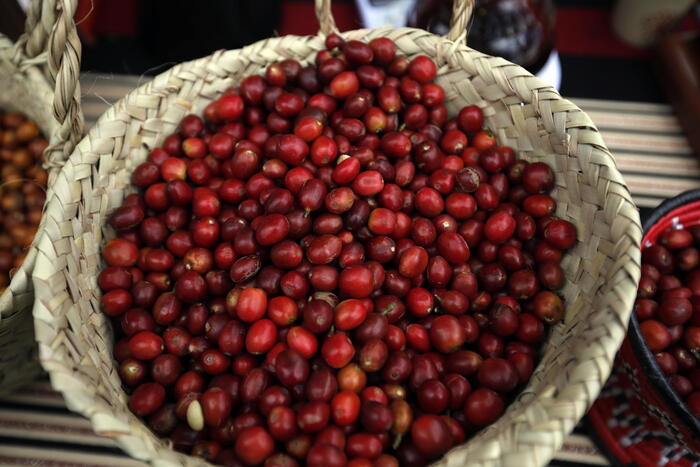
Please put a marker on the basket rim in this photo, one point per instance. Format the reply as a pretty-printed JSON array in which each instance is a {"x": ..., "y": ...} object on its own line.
[{"x": 618, "y": 289}]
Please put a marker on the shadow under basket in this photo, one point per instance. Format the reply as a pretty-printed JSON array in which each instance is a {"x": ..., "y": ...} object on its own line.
[
  {"x": 639, "y": 419},
  {"x": 602, "y": 270}
]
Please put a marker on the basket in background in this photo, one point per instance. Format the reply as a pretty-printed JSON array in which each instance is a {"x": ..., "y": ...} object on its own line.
[
  {"x": 602, "y": 271},
  {"x": 658, "y": 428},
  {"x": 39, "y": 78}
]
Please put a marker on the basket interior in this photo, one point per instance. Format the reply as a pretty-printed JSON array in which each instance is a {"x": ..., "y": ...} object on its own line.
[{"x": 602, "y": 270}]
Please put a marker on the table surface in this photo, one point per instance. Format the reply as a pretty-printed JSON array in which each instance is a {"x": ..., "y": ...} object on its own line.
[{"x": 653, "y": 155}]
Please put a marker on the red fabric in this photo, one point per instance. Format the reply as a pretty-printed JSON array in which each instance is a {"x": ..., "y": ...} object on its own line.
[
  {"x": 120, "y": 18},
  {"x": 598, "y": 420},
  {"x": 580, "y": 31},
  {"x": 689, "y": 23},
  {"x": 117, "y": 18},
  {"x": 633, "y": 420},
  {"x": 85, "y": 19},
  {"x": 586, "y": 31},
  {"x": 299, "y": 17}
]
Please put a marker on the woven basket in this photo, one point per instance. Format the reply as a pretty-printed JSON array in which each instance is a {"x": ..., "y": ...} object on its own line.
[
  {"x": 660, "y": 420},
  {"x": 75, "y": 339},
  {"x": 38, "y": 77}
]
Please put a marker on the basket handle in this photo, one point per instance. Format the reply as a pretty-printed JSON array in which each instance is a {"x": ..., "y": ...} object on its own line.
[
  {"x": 50, "y": 26},
  {"x": 64, "y": 50},
  {"x": 461, "y": 12},
  {"x": 50, "y": 29},
  {"x": 325, "y": 17}
]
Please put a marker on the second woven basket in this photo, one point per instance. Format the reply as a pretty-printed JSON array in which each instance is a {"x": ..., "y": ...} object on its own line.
[
  {"x": 39, "y": 78},
  {"x": 602, "y": 271}
]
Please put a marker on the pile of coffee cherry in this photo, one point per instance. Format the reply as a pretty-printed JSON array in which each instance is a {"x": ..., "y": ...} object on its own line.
[
  {"x": 22, "y": 189},
  {"x": 327, "y": 270}
]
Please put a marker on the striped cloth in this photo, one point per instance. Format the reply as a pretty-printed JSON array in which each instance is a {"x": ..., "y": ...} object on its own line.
[{"x": 37, "y": 429}]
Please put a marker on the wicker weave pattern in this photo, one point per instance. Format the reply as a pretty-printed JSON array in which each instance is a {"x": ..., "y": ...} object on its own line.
[
  {"x": 43, "y": 84},
  {"x": 602, "y": 271}
]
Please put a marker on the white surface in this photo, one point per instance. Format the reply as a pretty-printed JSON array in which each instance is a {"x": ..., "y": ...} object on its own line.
[
  {"x": 393, "y": 13},
  {"x": 551, "y": 71}
]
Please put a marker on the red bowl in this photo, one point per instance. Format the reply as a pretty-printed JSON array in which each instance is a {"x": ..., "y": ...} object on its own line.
[{"x": 638, "y": 418}]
